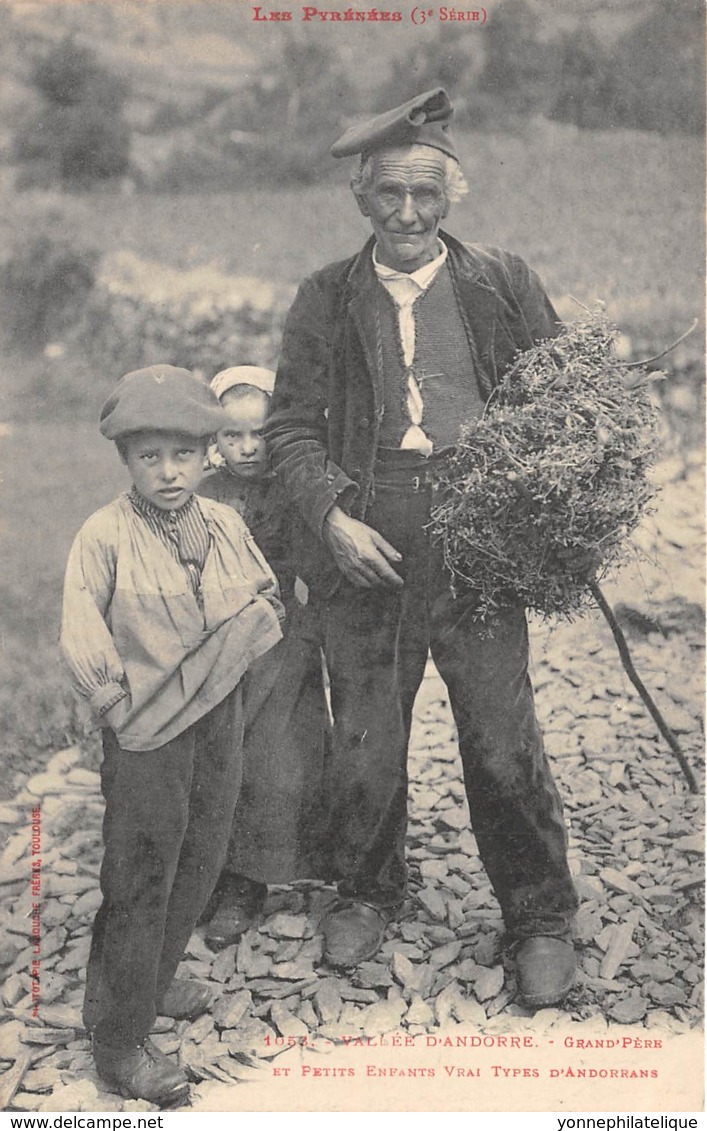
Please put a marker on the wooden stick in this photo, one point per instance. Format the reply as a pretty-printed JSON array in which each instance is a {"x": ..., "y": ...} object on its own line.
[
  {"x": 13, "y": 1078},
  {"x": 657, "y": 357},
  {"x": 640, "y": 686}
]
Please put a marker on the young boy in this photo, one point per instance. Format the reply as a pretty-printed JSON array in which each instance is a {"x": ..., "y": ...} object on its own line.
[
  {"x": 167, "y": 601},
  {"x": 274, "y": 838}
]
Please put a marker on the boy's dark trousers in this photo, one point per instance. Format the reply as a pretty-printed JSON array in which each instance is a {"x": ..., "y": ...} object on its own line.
[
  {"x": 166, "y": 827},
  {"x": 376, "y": 646}
]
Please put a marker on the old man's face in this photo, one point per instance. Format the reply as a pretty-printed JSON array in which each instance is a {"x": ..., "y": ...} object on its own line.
[{"x": 405, "y": 200}]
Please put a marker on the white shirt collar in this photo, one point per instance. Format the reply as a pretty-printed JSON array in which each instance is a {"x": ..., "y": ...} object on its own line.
[{"x": 422, "y": 277}]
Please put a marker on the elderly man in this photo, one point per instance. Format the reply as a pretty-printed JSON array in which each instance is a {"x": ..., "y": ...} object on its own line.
[{"x": 384, "y": 355}]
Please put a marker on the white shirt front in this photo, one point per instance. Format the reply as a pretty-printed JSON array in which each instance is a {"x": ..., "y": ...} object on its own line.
[{"x": 404, "y": 289}]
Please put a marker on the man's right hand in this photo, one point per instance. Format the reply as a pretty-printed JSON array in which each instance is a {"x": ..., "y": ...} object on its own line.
[{"x": 361, "y": 553}]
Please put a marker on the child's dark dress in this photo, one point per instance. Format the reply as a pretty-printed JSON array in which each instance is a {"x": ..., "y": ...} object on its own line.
[{"x": 274, "y": 836}]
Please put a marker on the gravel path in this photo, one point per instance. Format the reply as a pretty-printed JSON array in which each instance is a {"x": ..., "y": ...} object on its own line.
[{"x": 635, "y": 845}]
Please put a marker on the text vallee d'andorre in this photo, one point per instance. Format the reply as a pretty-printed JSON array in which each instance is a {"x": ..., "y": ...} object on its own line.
[{"x": 497, "y": 1041}]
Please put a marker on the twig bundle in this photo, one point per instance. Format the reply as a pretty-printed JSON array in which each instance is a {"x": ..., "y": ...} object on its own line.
[{"x": 542, "y": 491}]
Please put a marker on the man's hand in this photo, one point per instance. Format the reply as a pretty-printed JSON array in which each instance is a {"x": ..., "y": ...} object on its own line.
[{"x": 361, "y": 553}]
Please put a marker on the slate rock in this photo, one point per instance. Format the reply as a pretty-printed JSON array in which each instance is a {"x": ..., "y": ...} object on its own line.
[
  {"x": 439, "y": 935},
  {"x": 692, "y": 844},
  {"x": 292, "y": 971},
  {"x": 306, "y": 1013},
  {"x": 351, "y": 993},
  {"x": 628, "y": 1010},
  {"x": 12, "y": 990},
  {"x": 199, "y": 1030},
  {"x": 230, "y": 1009},
  {"x": 197, "y": 948},
  {"x": 58, "y": 884},
  {"x": 224, "y": 965},
  {"x": 81, "y": 777},
  {"x": 455, "y": 818},
  {"x": 433, "y": 869},
  {"x": 287, "y": 950},
  {"x": 26, "y": 1101},
  {"x": 419, "y": 1012},
  {"x": 444, "y": 955},
  {"x": 488, "y": 983},
  {"x": 654, "y": 968},
  {"x": 286, "y": 1023},
  {"x": 665, "y": 994},
  {"x": 80, "y": 1095},
  {"x": 40, "y": 1080},
  {"x": 328, "y": 1001},
  {"x": 467, "y": 1011},
  {"x": 371, "y": 975},
  {"x": 486, "y": 950},
  {"x": 383, "y": 1017},
  {"x": 253, "y": 1038},
  {"x": 413, "y": 932},
  {"x": 47, "y": 1036},
  {"x": 48, "y": 782},
  {"x": 62, "y": 1016},
  {"x": 12, "y": 1036},
  {"x": 455, "y": 914},
  {"x": 286, "y": 926}
]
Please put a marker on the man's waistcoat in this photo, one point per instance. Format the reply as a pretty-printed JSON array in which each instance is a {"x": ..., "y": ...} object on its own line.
[{"x": 442, "y": 366}]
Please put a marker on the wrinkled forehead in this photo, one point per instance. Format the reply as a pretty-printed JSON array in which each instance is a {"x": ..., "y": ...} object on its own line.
[{"x": 410, "y": 162}]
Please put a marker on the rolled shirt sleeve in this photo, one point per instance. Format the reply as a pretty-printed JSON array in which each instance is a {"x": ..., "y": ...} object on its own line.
[{"x": 86, "y": 642}]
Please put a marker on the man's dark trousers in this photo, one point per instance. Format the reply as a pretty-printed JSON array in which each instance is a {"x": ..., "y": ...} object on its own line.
[
  {"x": 377, "y": 642},
  {"x": 166, "y": 828}
]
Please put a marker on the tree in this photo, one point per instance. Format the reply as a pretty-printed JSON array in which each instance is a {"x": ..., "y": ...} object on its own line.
[
  {"x": 282, "y": 124},
  {"x": 583, "y": 84},
  {"x": 441, "y": 60},
  {"x": 658, "y": 72},
  {"x": 516, "y": 62},
  {"x": 77, "y": 135}
]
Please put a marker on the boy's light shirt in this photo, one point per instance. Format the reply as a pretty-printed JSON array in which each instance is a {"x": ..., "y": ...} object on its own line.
[{"x": 138, "y": 642}]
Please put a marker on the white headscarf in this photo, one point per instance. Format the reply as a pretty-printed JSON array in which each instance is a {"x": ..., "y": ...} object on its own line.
[
  {"x": 243, "y": 375},
  {"x": 263, "y": 379}
]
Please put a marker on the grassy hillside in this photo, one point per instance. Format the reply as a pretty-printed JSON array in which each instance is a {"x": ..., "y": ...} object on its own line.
[{"x": 616, "y": 217}]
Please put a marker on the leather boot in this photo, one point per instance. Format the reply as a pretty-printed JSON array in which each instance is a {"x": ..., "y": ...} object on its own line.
[
  {"x": 353, "y": 933},
  {"x": 240, "y": 906},
  {"x": 141, "y": 1072},
  {"x": 186, "y": 1000},
  {"x": 545, "y": 970}
]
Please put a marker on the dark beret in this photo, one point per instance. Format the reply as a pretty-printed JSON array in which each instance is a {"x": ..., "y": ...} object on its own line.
[
  {"x": 423, "y": 120},
  {"x": 162, "y": 398}
]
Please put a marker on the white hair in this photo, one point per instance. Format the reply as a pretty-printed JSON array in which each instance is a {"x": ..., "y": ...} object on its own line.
[{"x": 455, "y": 182}]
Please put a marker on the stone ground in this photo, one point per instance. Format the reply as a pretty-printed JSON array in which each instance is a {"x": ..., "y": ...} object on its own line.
[{"x": 636, "y": 852}]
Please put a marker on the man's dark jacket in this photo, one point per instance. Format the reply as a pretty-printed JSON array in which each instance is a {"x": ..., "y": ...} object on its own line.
[{"x": 328, "y": 399}]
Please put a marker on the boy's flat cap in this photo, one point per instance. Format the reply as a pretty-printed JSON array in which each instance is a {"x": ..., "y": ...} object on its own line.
[
  {"x": 161, "y": 398},
  {"x": 423, "y": 120}
]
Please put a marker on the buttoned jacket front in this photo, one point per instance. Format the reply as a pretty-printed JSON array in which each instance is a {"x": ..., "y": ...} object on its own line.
[{"x": 328, "y": 398}]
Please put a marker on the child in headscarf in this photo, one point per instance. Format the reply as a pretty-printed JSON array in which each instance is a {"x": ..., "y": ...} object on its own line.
[{"x": 274, "y": 837}]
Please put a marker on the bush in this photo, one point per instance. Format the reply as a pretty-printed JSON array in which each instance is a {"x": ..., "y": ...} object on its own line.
[
  {"x": 142, "y": 313},
  {"x": 44, "y": 283}
]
